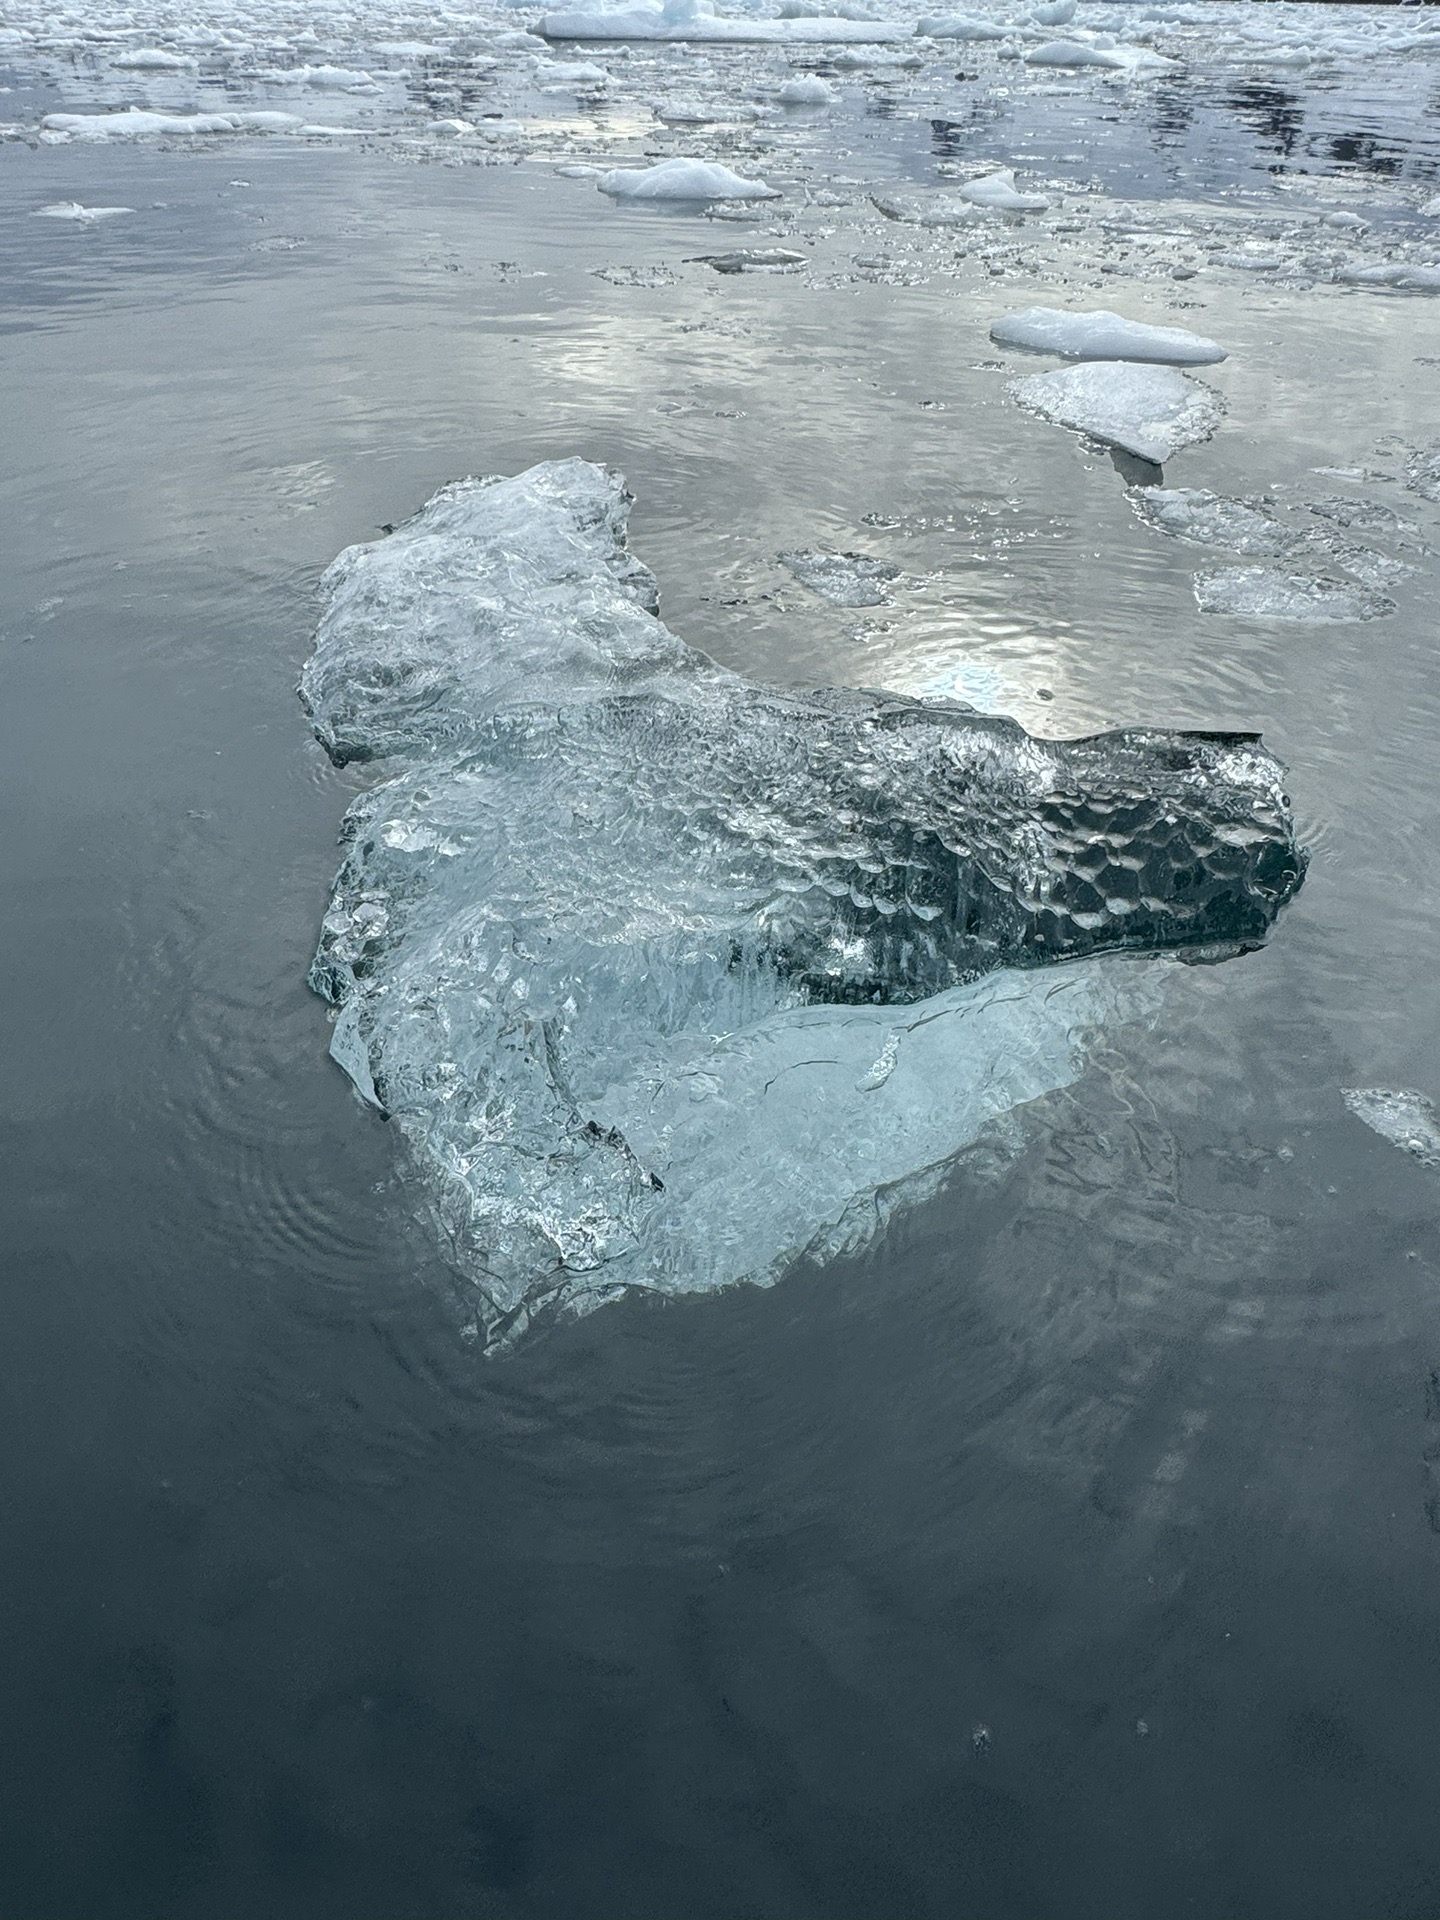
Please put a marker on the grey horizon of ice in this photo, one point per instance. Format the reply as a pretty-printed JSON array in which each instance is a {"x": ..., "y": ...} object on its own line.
[{"x": 611, "y": 975}]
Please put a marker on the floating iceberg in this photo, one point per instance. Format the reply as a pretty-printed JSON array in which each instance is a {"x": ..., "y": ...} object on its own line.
[
  {"x": 1149, "y": 411},
  {"x": 998, "y": 191},
  {"x": 1422, "y": 474},
  {"x": 669, "y": 979},
  {"x": 1407, "y": 1120},
  {"x": 1101, "y": 335},
  {"x": 1264, "y": 593},
  {"x": 682, "y": 180}
]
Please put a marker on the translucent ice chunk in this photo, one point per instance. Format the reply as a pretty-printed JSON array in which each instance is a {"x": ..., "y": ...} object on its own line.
[
  {"x": 1149, "y": 411},
  {"x": 1264, "y": 593},
  {"x": 806, "y": 90},
  {"x": 845, "y": 579},
  {"x": 1101, "y": 335},
  {"x": 668, "y": 978},
  {"x": 1407, "y": 1120},
  {"x": 1210, "y": 520}
]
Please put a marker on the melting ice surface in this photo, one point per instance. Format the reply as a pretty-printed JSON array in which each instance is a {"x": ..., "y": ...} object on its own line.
[{"x": 669, "y": 978}]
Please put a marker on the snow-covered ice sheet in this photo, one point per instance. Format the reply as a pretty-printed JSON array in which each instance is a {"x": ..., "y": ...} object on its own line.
[
  {"x": 1102, "y": 335},
  {"x": 669, "y": 978},
  {"x": 1149, "y": 411}
]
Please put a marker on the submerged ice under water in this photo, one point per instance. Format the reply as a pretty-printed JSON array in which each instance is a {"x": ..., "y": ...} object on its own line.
[{"x": 670, "y": 978}]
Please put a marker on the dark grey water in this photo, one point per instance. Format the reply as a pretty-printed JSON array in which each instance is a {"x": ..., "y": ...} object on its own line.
[{"x": 1066, "y": 1553}]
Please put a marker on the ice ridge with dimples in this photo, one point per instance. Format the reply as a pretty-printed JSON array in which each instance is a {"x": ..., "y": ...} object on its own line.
[{"x": 669, "y": 978}]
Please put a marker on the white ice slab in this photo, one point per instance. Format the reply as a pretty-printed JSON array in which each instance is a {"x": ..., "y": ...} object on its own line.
[{"x": 1102, "y": 335}]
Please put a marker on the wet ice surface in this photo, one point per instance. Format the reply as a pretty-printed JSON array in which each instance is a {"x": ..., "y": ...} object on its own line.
[
  {"x": 1120, "y": 1449},
  {"x": 622, "y": 950},
  {"x": 1406, "y": 1120}
]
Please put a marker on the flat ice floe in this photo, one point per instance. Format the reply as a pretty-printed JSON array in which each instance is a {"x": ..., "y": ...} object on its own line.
[
  {"x": 1146, "y": 410},
  {"x": 134, "y": 123},
  {"x": 1207, "y": 519},
  {"x": 669, "y": 979},
  {"x": 1265, "y": 593},
  {"x": 1406, "y": 1119},
  {"x": 1102, "y": 335},
  {"x": 682, "y": 180},
  {"x": 961, "y": 26}
]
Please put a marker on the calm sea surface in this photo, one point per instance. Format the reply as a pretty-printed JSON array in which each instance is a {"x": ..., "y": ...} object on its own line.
[{"x": 1063, "y": 1556}]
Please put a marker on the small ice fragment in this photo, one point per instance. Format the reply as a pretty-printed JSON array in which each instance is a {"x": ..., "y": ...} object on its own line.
[
  {"x": 1407, "y": 1120},
  {"x": 856, "y": 59},
  {"x": 1210, "y": 520},
  {"x": 844, "y": 579},
  {"x": 960, "y": 26},
  {"x": 997, "y": 190},
  {"x": 1146, "y": 410},
  {"x": 750, "y": 260},
  {"x": 883, "y": 1066},
  {"x": 1077, "y": 53},
  {"x": 1264, "y": 593},
  {"x": 1351, "y": 220},
  {"x": 1102, "y": 335},
  {"x": 687, "y": 113},
  {"x": 154, "y": 60},
  {"x": 682, "y": 180},
  {"x": 807, "y": 90},
  {"x": 72, "y": 210},
  {"x": 1058, "y": 13},
  {"x": 1431, "y": 208},
  {"x": 1422, "y": 475},
  {"x": 939, "y": 212},
  {"x": 577, "y": 76}
]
